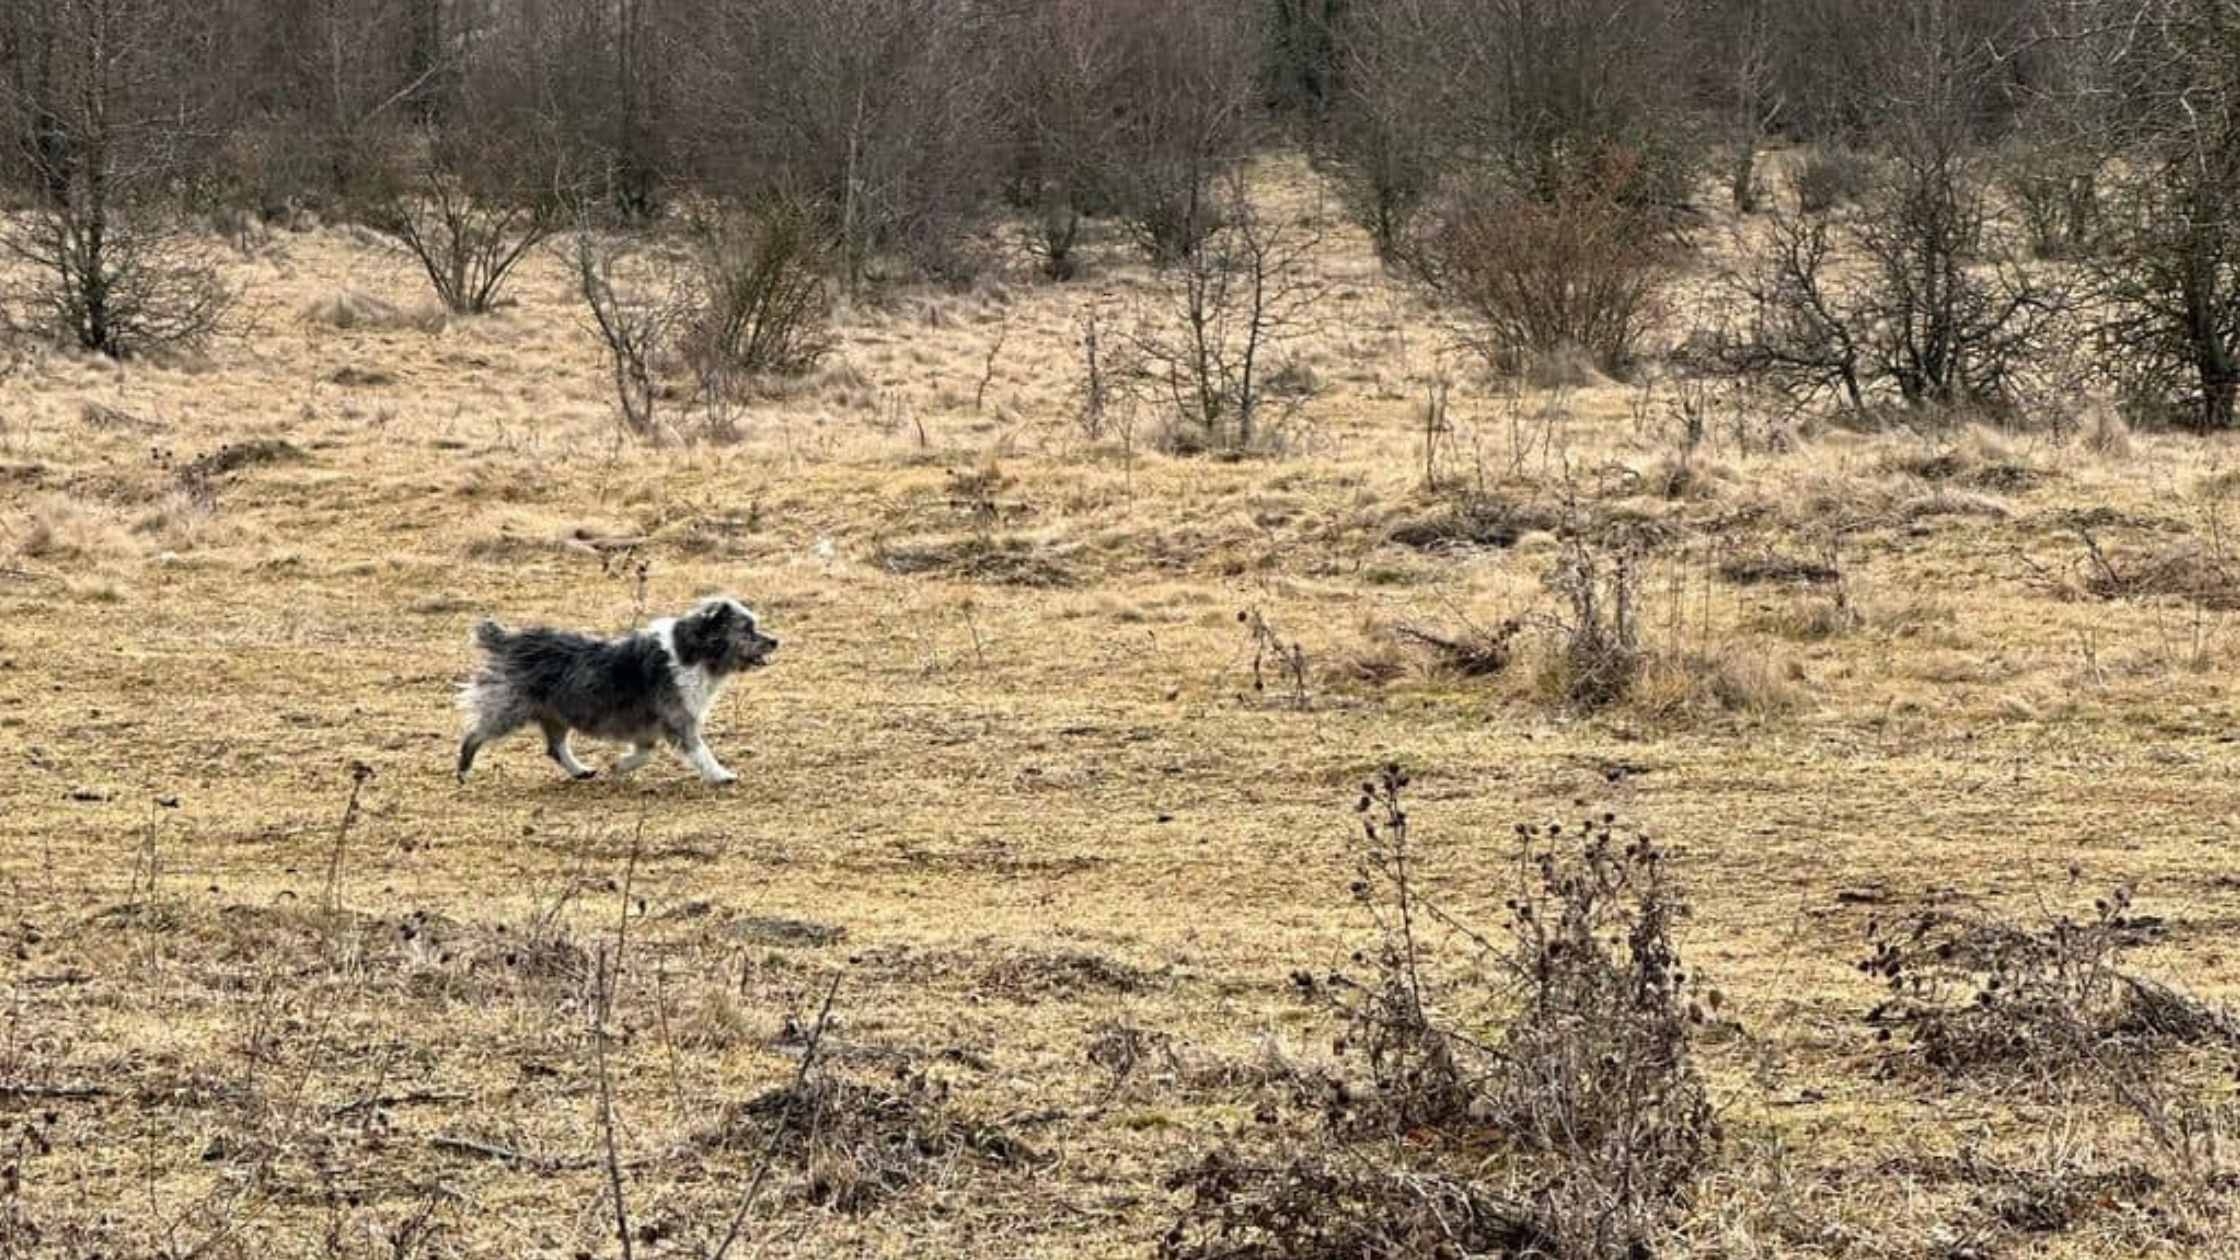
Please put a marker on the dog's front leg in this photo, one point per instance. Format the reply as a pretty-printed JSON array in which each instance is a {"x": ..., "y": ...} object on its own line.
[{"x": 696, "y": 752}]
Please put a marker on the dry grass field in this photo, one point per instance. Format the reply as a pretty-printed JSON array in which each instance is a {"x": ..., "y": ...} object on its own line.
[{"x": 1011, "y": 783}]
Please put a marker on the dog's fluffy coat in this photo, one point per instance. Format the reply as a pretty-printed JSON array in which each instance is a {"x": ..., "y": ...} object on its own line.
[{"x": 650, "y": 687}]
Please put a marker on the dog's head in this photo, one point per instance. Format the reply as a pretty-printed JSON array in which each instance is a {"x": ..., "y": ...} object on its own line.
[{"x": 722, "y": 637}]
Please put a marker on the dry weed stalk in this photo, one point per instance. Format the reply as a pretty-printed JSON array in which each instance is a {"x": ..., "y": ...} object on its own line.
[
  {"x": 330, "y": 899},
  {"x": 1269, "y": 651}
]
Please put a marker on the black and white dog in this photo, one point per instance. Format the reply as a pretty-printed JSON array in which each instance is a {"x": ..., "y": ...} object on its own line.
[{"x": 648, "y": 687}]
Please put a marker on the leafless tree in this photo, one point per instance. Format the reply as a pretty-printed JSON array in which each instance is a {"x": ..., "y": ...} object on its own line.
[
  {"x": 2167, "y": 280},
  {"x": 1064, "y": 66},
  {"x": 1553, "y": 89},
  {"x": 107, "y": 126},
  {"x": 468, "y": 226},
  {"x": 1744, "y": 49},
  {"x": 635, "y": 323},
  {"x": 1942, "y": 312},
  {"x": 1185, "y": 120},
  {"x": 1385, "y": 134},
  {"x": 1233, "y": 303},
  {"x": 877, "y": 113}
]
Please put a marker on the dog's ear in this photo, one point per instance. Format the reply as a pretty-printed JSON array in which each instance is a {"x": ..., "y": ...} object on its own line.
[{"x": 699, "y": 636}]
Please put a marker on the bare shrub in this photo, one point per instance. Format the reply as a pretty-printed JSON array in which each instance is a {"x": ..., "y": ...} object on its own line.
[
  {"x": 874, "y": 115},
  {"x": 113, "y": 283},
  {"x": 1233, "y": 301},
  {"x": 765, "y": 304},
  {"x": 1550, "y": 95},
  {"x": 1826, "y": 178},
  {"x": 1941, "y": 309},
  {"x": 471, "y": 216},
  {"x": 1579, "y": 268},
  {"x": 1383, "y": 135},
  {"x": 1744, "y": 35},
  {"x": 635, "y": 326},
  {"x": 2055, "y": 191},
  {"x": 1526, "y": 1091},
  {"x": 1065, "y": 64},
  {"x": 1942, "y": 314},
  {"x": 2167, "y": 285},
  {"x": 1977, "y": 994},
  {"x": 1598, "y": 656},
  {"x": 1793, "y": 332}
]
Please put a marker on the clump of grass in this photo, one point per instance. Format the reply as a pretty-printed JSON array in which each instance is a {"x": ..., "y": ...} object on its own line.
[
  {"x": 57, "y": 527},
  {"x": 354, "y": 310},
  {"x": 1472, "y": 520},
  {"x": 1472, "y": 651},
  {"x": 859, "y": 1146}
]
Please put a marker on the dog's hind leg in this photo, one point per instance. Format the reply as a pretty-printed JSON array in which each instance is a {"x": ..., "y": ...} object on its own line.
[
  {"x": 491, "y": 717},
  {"x": 468, "y": 747},
  {"x": 487, "y": 731},
  {"x": 556, "y": 747}
]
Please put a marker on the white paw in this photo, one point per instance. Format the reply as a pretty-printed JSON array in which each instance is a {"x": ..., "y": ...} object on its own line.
[{"x": 722, "y": 777}]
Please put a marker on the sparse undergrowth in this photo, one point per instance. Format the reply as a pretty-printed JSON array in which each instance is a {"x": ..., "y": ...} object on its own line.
[
  {"x": 1972, "y": 994},
  {"x": 1528, "y": 1091}
]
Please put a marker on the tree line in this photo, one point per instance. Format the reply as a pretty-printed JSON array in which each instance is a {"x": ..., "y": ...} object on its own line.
[{"x": 1459, "y": 133}]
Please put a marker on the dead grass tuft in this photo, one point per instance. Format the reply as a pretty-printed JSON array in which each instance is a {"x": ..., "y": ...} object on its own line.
[
  {"x": 57, "y": 527},
  {"x": 1774, "y": 568},
  {"x": 1473, "y": 520},
  {"x": 355, "y": 310},
  {"x": 1006, "y": 561},
  {"x": 235, "y": 456},
  {"x": 859, "y": 1146}
]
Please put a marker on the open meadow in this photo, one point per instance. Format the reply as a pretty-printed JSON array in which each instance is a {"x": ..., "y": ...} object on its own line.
[{"x": 1051, "y": 791}]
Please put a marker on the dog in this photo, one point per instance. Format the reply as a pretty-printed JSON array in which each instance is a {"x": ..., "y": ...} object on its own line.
[{"x": 649, "y": 687}]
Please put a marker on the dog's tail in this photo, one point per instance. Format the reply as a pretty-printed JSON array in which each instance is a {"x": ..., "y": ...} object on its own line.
[
  {"x": 489, "y": 635},
  {"x": 479, "y": 689}
]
